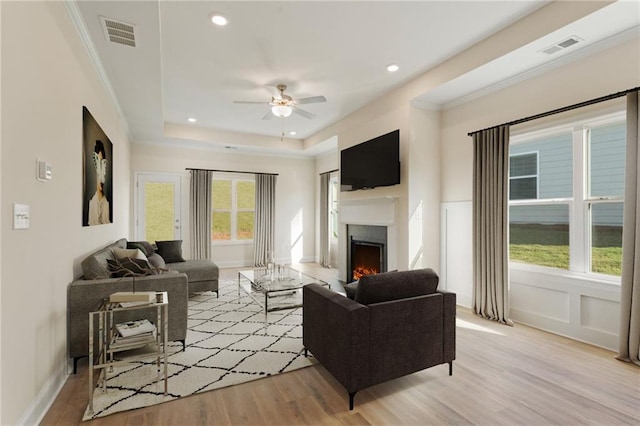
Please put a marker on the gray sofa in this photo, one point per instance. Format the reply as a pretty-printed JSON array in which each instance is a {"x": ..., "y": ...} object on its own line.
[
  {"x": 397, "y": 324},
  {"x": 85, "y": 294}
]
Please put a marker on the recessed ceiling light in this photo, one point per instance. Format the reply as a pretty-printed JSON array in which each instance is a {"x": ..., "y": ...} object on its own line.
[
  {"x": 191, "y": 120},
  {"x": 292, "y": 133},
  {"x": 218, "y": 19},
  {"x": 393, "y": 67}
]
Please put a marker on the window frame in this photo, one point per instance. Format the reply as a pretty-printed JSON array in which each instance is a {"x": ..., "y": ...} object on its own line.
[
  {"x": 580, "y": 229},
  {"x": 233, "y": 212}
]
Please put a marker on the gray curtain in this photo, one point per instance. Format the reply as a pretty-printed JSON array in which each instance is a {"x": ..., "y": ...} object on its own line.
[
  {"x": 200, "y": 213},
  {"x": 630, "y": 285},
  {"x": 264, "y": 229},
  {"x": 324, "y": 220},
  {"x": 490, "y": 224}
]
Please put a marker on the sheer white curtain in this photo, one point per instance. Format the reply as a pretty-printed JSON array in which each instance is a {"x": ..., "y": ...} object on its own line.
[
  {"x": 265, "y": 217},
  {"x": 630, "y": 283},
  {"x": 324, "y": 220},
  {"x": 490, "y": 224},
  {"x": 200, "y": 213}
]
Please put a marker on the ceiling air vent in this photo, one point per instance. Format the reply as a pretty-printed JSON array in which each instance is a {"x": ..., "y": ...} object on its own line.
[
  {"x": 118, "y": 31},
  {"x": 561, "y": 45}
]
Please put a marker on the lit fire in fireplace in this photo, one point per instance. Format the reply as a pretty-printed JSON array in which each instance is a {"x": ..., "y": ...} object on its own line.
[{"x": 359, "y": 271}]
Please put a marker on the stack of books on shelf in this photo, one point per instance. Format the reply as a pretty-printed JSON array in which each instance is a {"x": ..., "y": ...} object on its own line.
[{"x": 133, "y": 334}]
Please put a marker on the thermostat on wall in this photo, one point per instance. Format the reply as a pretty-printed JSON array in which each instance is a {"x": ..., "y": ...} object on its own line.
[{"x": 44, "y": 171}]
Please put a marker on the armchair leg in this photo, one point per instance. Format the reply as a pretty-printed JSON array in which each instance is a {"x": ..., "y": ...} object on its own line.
[
  {"x": 184, "y": 345},
  {"x": 451, "y": 368},
  {"x": 305, "y": 352},
  {"x": 351, "y": 396}
]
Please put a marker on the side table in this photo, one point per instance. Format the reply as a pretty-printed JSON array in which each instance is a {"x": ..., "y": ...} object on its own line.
[{"x": 153, "y": 346}]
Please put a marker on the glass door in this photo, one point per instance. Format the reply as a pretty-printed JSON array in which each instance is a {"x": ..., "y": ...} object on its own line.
[{"x": 158, "y": 210}]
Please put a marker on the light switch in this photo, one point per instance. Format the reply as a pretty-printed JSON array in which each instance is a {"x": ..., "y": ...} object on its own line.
[
  {"x": 44, "y": 171},
  {"x": 20, "y": 216}
]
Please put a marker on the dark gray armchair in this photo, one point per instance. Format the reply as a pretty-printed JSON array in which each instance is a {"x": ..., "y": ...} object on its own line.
[{"x": 397, "y": 324}]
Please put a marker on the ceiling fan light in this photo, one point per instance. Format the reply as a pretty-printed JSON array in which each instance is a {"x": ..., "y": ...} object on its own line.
[{"x": 281, "y": 110}]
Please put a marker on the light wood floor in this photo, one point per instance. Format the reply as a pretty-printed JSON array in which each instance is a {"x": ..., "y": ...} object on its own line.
[{"x": 502, "y": 375}]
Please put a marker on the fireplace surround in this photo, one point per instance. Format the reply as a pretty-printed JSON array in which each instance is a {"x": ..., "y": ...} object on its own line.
[{"x": 378, "y": 215}]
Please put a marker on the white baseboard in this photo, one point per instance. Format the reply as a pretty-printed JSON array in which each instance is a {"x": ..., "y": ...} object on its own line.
[
  {"x": 464, "y": 300},
  {"x": 43, "y": 401}
]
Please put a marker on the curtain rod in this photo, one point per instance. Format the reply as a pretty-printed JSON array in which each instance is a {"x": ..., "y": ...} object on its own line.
[
  {"x": 235, "y": 171},
  {"x": 559, "y": 110},
  {"x": 330, "y": 171}
]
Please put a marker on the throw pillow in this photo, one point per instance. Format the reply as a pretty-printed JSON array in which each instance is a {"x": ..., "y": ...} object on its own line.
[
  {"x": 157, "y": 261},
  {"x": 351, "y": 289},
  {"x": 120, "y": 253},
  {"x": 170, "y": 251},
  {"x": 129, "y": 267},
  {"x": 396, "y": 285},
  {"x": 144, "y": 246}
]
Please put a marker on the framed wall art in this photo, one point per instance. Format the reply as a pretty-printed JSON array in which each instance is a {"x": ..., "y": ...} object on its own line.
[{"x": 97, "y": 170}]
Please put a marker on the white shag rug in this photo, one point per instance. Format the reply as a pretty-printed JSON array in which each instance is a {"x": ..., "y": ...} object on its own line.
[{"x": 227, "y": 343}]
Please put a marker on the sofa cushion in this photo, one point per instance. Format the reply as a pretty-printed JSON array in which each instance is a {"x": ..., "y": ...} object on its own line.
[
  {"x": 396, "y": 285},
  {"x": 95, "y": 266},
  {"x": 197, "y": 269},
  {"x": 171, "y": 251},
  {"x": 144, "y": 246}
]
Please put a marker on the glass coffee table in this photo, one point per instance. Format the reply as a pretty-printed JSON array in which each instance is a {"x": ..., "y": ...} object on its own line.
[{"x": 280, "y": 288}]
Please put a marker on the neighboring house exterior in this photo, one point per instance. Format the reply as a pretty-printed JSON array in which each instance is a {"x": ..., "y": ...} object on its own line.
[{"x": 542, "y": 169}]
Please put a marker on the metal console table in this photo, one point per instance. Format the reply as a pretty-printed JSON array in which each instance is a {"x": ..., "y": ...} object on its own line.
[{"x": 109, "y": 343}]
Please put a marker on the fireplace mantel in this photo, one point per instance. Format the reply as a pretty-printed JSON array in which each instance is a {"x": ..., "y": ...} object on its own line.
[{"x": 369, "y": 211}]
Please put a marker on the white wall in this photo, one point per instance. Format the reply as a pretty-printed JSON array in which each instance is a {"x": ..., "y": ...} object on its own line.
[
  {"x": 295, "y": 196},
  {"x": 424, "y": 189},
  {"x": 47, "y": 78},
  {"x": 570, "y": 305}
]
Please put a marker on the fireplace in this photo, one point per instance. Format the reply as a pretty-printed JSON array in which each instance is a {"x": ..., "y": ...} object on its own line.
[
  {"x": 366, "y": 250},
  {"x": 366, "y": 258}
]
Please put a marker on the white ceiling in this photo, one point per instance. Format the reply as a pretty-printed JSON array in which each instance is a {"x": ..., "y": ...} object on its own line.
[{"x": 183, "y": 66}]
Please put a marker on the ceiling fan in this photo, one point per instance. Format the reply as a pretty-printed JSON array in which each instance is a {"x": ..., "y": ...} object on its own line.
[{"x": 283, "y": 105}]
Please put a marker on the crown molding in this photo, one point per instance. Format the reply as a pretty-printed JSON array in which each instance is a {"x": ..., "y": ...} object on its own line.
[
  {"x": 426, "y": 106},
  {"x": 81, "y": 28}
]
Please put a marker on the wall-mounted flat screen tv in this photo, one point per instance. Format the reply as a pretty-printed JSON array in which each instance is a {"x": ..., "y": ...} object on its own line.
[{"x": 371, "y": 164}]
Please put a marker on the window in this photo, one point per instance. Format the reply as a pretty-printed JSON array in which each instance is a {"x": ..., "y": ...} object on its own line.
[
  {"x": 523, "y": 176},
  {"x": 233, "y": 209},
  {"x": 566, "y": 196}
]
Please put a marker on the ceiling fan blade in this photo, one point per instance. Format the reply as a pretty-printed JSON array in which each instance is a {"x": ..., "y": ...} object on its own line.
[
  {"x": 268, "y": 116},
  {"x": 250, "y": 102},
  {"x": 311, "y": 100},
  {"x": 305, "y": 114}
]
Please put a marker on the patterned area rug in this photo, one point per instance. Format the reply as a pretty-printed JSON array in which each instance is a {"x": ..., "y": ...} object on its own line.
[{"x": 227, "y": 343}]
